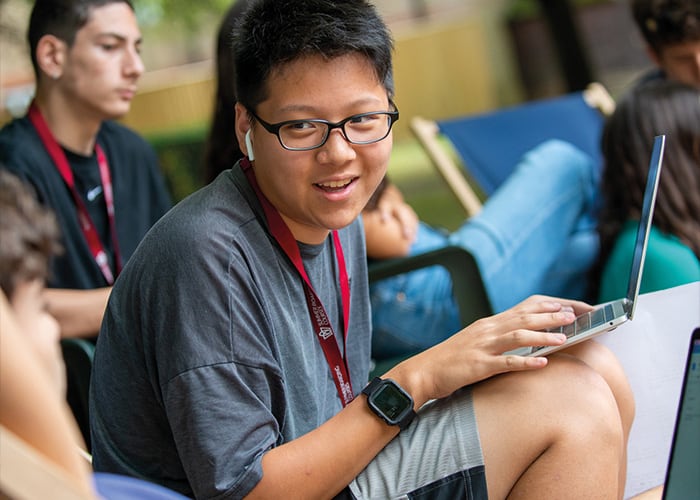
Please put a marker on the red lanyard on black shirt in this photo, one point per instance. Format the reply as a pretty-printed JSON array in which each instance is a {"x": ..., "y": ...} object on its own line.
[
  {"x": 86, "y": 224},
  {"x": 323, "y": 328}
]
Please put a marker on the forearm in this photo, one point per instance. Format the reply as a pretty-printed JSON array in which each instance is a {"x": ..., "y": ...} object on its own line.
[
  {"x": 324, "y": 461},
  {"x": 321, "y": 463},
  {"x": 78, "y": 312}
]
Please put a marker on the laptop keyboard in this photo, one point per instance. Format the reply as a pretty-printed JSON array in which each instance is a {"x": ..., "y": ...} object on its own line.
[
  {"x": 586, "y": 321},
  {"x": 591, "y": 319}
]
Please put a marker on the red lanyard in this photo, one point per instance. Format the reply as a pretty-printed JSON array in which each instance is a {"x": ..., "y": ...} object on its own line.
[
  {"x": 86, "y": 224},
  {"x": 319, "y": 317}
]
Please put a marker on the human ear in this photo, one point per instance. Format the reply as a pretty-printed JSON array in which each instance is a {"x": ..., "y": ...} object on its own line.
[
  {"x": 653, "y": 55},
  {"x": 249, "y": 146},
  {"x": 51, "y": 56},
  {"x": 243, "y": 127}
]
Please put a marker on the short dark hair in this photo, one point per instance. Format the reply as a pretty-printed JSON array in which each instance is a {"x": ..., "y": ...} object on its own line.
[
  {"x": 61, "y": 18},
  {"x": 276, "y": 32},
  {"x": 28, "y": 232},
  {"x": 667, "y": 22}
]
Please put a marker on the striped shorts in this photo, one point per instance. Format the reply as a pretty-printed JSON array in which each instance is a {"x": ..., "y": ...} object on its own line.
[{"x": 437, "y": 457}]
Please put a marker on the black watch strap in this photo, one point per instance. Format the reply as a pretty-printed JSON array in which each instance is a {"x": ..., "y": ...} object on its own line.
[{"x": 390, "y": 402}]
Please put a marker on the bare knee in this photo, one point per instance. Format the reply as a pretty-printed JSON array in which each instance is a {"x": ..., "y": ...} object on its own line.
[
  {"x": 603, "y": 360},
  {"x": 579, "y": 397},
  {"x": 565, "y": 410}
]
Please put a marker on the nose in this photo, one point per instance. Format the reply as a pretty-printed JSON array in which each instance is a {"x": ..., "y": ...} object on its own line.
[
  {"x": 133, "y": 64},
  {"x": 336, "y": 149}
]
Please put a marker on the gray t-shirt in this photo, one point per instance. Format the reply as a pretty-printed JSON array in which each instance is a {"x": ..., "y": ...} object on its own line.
[{"x": 207, "y": 356}]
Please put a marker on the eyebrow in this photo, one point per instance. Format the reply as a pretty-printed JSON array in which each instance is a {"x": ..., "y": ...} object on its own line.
[
  {"x": 310, "y": 109},
  {"x": 118, "y": 36}
]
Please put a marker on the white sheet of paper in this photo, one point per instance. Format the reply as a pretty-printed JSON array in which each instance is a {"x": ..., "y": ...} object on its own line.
[{"x": 652, "y": 349}]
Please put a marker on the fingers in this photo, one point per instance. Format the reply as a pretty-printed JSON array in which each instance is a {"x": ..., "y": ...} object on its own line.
[
  {"x": 512, "y": 362},
  {"x": 536, "y": 315},
  {"x": 577, "y": 306},
  {"x": 519, "y": 339},
  {"x": 486, "y": 347}
]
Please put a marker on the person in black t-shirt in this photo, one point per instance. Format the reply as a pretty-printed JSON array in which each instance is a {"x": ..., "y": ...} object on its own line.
[{"x": 101, "y": 179}]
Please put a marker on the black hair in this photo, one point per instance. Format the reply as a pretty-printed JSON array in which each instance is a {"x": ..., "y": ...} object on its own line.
[
  {"x": 276, "y": 32},
  {"x": 667, "y": 22}
]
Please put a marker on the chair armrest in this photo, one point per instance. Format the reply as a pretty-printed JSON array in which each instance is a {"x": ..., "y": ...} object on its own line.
[{"x": 78, "y": 355}]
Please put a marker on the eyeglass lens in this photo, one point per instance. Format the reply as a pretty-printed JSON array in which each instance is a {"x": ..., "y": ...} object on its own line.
[{"x": 360, "y": 129}]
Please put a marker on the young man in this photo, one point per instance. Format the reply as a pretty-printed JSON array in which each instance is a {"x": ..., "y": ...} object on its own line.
[
  {"x": 101, "y": 180},
  {"x": 235, "y": 346},
  {"x": 671, "y": 29}
]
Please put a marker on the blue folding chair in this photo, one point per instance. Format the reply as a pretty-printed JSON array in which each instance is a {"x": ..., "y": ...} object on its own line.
[
  {"x": 119, "y": 487},
  {"x": 490, "y": 145}
]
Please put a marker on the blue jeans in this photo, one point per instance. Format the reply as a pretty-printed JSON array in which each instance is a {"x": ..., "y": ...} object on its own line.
[{"x": 535, "y": 234}]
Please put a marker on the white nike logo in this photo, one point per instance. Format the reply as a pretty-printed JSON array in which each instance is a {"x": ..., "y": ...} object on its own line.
[{"x": 94, "y": 193}]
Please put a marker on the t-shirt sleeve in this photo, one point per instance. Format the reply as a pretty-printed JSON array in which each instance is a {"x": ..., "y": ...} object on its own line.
[
  {"x": 221, "y": 385},
  {"x": 222, "y": 427}
]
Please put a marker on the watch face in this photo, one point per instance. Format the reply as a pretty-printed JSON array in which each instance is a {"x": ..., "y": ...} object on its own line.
[{"x": 392, "y": 402}]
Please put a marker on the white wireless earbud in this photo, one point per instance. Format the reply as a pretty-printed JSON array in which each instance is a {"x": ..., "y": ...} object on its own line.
[{"x": 249, "y": 146}]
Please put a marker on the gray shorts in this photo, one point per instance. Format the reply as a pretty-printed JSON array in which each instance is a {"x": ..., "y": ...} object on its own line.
[{"x": 437, "y": 456}]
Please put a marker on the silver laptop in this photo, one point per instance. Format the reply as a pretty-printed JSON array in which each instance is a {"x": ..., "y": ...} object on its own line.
[
  {"x": 683, "y": 472},
  {"x": 608, "y": 316}
]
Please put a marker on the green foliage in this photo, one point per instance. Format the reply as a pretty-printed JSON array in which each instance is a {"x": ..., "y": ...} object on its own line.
[
  {"x": 185, "y": 13},
  {"x": 180, "y": 156},
  {"x": 188, "y": 14},
  {"x": 529, "y": 9}
]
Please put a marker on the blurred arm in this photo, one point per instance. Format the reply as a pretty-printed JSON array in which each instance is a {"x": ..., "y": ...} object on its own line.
[{"x": 78, "y": 312}]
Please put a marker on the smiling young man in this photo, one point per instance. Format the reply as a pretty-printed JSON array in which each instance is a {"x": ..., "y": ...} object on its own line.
[
  {"x": 671, "y": 30},
  {"x": 100, "y": 179},
  {"x": 234, "y": 354}
]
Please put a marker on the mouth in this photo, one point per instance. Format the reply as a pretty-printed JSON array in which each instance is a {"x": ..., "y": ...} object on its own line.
[
  {"x": 127, "y": 93},
  {"x": 335, "y": 186}
]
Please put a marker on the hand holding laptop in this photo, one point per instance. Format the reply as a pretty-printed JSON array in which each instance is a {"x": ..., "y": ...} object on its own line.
[{"x": 609, "y": 316}]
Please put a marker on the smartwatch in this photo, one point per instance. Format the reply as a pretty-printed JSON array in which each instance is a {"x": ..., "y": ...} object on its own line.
[{"x": 389, "y": 402}]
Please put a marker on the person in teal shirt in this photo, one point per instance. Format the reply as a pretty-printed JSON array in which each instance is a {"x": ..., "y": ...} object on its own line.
[
  {"x": 668, "y": 263},
  {"x": 673, "y": 253}
]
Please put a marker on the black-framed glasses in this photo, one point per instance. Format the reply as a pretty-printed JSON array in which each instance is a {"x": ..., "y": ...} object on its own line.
[{"x": 303, "y": 135}]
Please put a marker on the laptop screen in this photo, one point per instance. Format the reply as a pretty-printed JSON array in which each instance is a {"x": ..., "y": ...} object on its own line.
[
  {"x": 683, "y": 474},
  {"x": 645, "y": 221}
]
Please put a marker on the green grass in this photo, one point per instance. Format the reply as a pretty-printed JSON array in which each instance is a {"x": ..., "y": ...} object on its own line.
[
  {"x": 425, "y": 190},
  {"x": 409, "y": 168}
]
